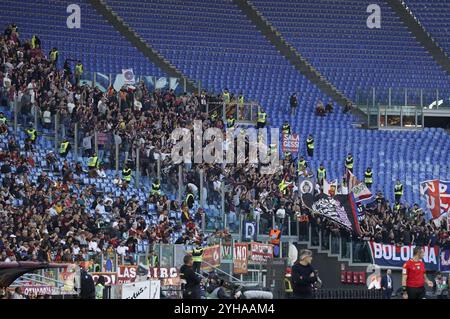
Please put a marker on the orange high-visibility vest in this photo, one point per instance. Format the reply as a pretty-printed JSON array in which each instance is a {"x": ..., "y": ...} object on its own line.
[{"x": 275, "y": 236}]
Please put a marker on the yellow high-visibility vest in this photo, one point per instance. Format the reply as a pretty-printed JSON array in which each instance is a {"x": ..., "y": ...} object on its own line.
[
  {"x": 368, "y": 177},
  {"x": 93, "y": 162},
  {"x": 32, "y": 134},
  {"x": 63, "y": 148},
  {"x": 398, "y": 189},
  {"x": 126, "y": 174},
  {"x": 262, "y": 117},
  {"x": 226, "y": 97},
  {"x": 349, "y": 162},
  {"x": 241, "y": 100},
  {"x": 53, "y": 55}
]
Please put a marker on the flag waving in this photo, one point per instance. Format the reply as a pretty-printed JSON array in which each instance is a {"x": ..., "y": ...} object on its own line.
[{"x": 437, "y": 196}]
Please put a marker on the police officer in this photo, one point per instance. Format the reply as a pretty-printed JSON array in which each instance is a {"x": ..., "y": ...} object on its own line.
[
  {"x": 197, "y": 257},
  {"x": 398, "y": 191},
  {"x": 156, "y": 187},
  {"x": 32, "y": 134},
  {"x": 368, "y": 180},
  {"x": 126, "y": 173},
  {"x": 262, "y": 115},
  {"x": 310, "y": 145},
  {"x": 286, "y": 128},
  {"x": 321, "y": 174},
  {"x": 349, "y": 162},
  {"x": 301, "y": 165},
  {"x": 64, "y": 148},
  {"x": 190, "y": 280},
  {"x": 53, "y": 55}
]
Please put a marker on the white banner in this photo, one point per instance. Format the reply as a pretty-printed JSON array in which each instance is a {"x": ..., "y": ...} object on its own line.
[
  {"x": 141, "y": 290},
  {"x": 128, "y": 76}
]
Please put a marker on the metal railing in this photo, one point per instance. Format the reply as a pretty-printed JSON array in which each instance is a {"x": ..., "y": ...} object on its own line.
[{"x": 347, "y": 294}]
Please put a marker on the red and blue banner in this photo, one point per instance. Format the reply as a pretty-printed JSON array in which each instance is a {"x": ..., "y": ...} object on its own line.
[
  {"x": 445, "y": 260},
  {"x": 437, "y": 196},
  {"x": 393, "y": 256}
]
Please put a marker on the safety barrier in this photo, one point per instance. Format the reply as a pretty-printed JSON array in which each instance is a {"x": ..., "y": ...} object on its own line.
[{"x": 347, "y": 294}]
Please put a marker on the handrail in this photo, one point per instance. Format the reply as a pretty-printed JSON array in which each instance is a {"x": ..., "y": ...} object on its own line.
[{"x": 229, "y": 275}]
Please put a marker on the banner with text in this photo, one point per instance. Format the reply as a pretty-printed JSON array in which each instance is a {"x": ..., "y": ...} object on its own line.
[
  {"x": 126, "y": 274},
  {"x": 211, "y": 258},
  {"x": 240, "y": 258},
  {"x": 169, "y": 276},
  {"x": 385, "y": 255},
  {"x": 260, "y": 253},
  {"x": 290, "y": 143},
  {"x": 437, "y": 196}
]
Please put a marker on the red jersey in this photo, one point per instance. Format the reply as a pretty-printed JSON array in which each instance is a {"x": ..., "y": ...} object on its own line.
[{"x": 415, "y": 271}]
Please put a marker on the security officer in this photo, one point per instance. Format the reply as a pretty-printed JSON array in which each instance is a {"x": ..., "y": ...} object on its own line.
[
  {"x": 189, "y": 201},
  {"x": 230, "y": 121},
  {"x": 368, "y": 180},
  {"x": 126, "y": 173},
  {"x": 54, "y": 54},
  {"x": 349, "y": 162},
  {"x": 321, "y": 174},
  {"x": 275, "y": 235},
  {"x": 2, "y": 118},
  {"x": 262, "y": 115},
  {"x": 310, "y": 145},
  {"x": 100, "y": 287},
  {"x": 240, "y": 99},
  {"x": 35, "y": 42},
  {"x": 78, "y": 71},
  {"x": 156, "y": 187},
  {"x": 153, "y": 259},
  {"x": 286, "y": 128},
  {"x": 93, "y": 162},
  {"x": 64, "y": 148},
  {"x": 190, "y": 280},
  {"x": 214, "y": 116},
  {"x": 398, "y": 191},
  {"x": 301, "y": 165},
  {"x": 226, "y": 96},
  {"x": 197, "y": 257},
  {"x": 32, "y": 134},
  {"x": 288, "y": 284},
  {"x": 397, "y": 207},
  {"x": 282, "y": 186}
]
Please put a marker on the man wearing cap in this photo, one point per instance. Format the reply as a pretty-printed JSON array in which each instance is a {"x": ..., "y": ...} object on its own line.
[{"x": 303, "y": 276}]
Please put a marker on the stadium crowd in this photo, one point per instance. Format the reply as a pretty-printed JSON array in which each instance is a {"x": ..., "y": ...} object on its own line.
[{"x": 63, "y": 218}]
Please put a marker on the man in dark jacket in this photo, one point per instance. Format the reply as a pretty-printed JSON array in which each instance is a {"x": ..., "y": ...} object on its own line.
[
  {"x": 303, "y": 276},
  {"x": 87, "y": 285},
  {"x": 190, "y": 280},
  {"x": 387, "y": 285}
]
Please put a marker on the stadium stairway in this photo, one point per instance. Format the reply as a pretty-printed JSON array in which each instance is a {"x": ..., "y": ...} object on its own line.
[
  {"x": 289, "y": 52},
  {"x": 422, "y": 36},
  {"x": 331, "y": 261},
  {"x": 139, "y": 43}
]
